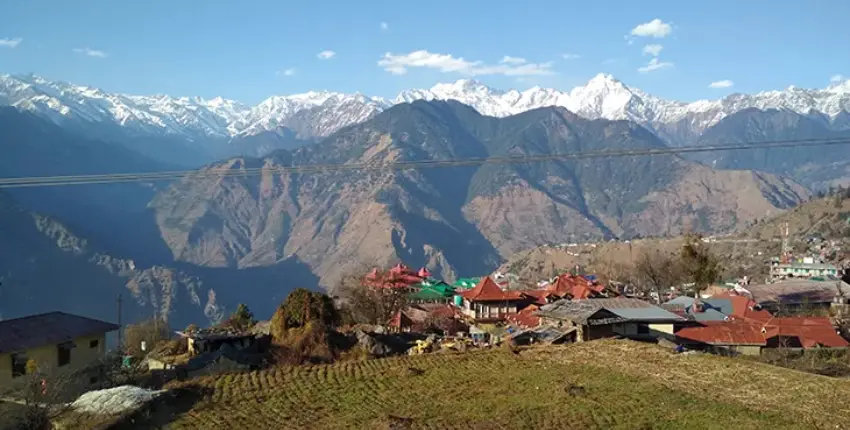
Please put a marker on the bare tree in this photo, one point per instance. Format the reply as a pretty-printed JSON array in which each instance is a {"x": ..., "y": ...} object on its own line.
[
  {"x": 151, "y": 332},
  {"x": 39, "y": 397},
  {"x": 373, "y": 301},
  {"x": 656, "y": 271}
]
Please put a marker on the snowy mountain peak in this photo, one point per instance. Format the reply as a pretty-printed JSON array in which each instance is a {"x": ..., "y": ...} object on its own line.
[
  {"x": 461, "y": 86},
  {"x": 319, "y": 113}
]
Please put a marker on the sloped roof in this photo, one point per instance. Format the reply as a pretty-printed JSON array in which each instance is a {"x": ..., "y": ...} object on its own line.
[
  {"x": 797, "y": 291},
  {"x": 488, "y": 291},
  {"x": 576, "y": 287},
  {"x": 432, "y": 290},
  {"x": 623, "y": 307},
  {"x": 735, "y": 332},
  {"x": 718, "y": 308},
  {"x": 539, "y": 296},
  {"x": 466, "y": 282},
  {"x": 46, "y": 329},
  {"x": 525, "y": 318},
  {"x": 811, "y": 331}
]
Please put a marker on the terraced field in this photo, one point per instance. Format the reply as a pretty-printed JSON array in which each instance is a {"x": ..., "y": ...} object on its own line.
[{"x": 624, "y": 385}]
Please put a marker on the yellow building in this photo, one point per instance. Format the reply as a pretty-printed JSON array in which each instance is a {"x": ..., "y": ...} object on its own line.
[{"x": 54, "y": 340}]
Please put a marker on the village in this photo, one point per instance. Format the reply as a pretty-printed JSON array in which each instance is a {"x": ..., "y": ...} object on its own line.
[{"x": 803, "y": 306}]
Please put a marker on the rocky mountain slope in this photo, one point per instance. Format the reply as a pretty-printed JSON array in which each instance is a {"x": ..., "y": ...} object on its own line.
[
  {"x": 459, "y": 220},
  {"x": 44, "y": 266},
  {"x": 814, "y": 166},
  {"x": 38, "y": 221}
]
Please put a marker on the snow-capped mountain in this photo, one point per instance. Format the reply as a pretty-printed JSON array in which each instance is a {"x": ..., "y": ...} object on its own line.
[{"x": 316, "y": 114}]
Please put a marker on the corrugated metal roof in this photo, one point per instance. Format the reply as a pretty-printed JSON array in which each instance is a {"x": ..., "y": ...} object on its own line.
[
  {"x": 47, "y": 329},
  {"x": 645, "y": 314}
]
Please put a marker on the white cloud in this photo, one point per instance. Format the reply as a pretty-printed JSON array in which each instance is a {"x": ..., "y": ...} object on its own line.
[
  {"x": 836, "y": 79},
  {"x": 326, "y": 55},
  {"x": 653, "y": 65},
  {"x": 653, "y": 49},
  {"x": 721, "y": 84},
  {"x": 446, "y": 63},
  {"x": 90, "y": 52},
  {"x": 507, "y": 59},
  {"x": 287, "y": 72},
  {"x": 570, "y": 56},
  {"x": 385, "y": 26},
  {"x": 655, "y": 28},
  {"x": 10, "y": 43}
]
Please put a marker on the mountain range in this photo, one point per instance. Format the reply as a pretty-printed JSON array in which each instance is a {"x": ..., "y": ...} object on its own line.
[
  {"x": 207, "y": 237},
  {"x": 213, "y": 129},
  {"x": 459, "y": 220}
]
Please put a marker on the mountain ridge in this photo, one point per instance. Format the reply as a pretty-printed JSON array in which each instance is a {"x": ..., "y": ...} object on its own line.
[
  {"x": 602, "y": 97},
  {"x": 336, "y": 222}
]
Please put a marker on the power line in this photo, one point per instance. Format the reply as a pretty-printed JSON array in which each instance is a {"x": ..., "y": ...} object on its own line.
[{"x": 46, "y": 181}]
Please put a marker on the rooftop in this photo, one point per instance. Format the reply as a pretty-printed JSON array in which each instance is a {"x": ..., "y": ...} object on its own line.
[
  {"x": 46, "y": 329},
  {"x": 623, "y": 307},
  {"x": 488, "y": 291},
  {"x": 810, "y": 331},
  {"x": 796, "y": 291}
]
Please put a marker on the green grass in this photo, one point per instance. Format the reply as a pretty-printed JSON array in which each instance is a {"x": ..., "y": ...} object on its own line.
[{"x": 627, "y": 386}]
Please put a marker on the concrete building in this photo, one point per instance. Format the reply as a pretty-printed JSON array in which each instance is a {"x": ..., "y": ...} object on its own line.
[
  {"x": 806, "y": 269},
  {"x": 54, "y": 340}
]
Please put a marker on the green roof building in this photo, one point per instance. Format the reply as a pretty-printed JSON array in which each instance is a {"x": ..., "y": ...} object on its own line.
[
  {"x": 432, "y": 292},
  {"x": 466, "y": 283}
]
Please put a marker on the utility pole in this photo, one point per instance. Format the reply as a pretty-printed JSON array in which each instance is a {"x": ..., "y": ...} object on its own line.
[{"x": 119, "y": 323}]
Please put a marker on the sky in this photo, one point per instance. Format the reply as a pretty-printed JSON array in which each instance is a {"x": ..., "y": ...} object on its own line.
[{"x": 250, "y": 50}]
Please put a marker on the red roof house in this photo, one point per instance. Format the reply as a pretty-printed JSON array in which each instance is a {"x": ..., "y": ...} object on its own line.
[
  {"x": 526, "y": 318},
  {"x": 399, "y": 276},
  {"x": 575, "y": 287},
  {"x": 750, "y": 335},
  {"x": 487, "y": 302}
]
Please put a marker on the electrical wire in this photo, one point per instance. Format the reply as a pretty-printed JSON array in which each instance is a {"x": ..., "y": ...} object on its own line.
[{"x": 47, "y": 181}]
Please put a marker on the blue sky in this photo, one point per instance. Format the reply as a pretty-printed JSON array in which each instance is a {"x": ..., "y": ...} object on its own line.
[{"x": 242, "y": 50}]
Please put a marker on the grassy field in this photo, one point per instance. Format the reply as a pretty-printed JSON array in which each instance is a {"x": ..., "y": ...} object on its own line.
[{"x": 626, "y": 385}]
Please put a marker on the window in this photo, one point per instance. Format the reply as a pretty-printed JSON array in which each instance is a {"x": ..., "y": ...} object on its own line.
[
  {"x": 94, "y": 344},
  {"x": 19, "y": 364},
  {"x": 63, "y": 351}
]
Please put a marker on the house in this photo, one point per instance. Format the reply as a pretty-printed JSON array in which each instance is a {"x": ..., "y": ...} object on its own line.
[
  {"x": 466, "y": 283},
  {"x": 526, "y": 318},
  {"x": 428, "y": 316},
  {"x": 53, "y": 340},
  {"x": 610, "y": 317},
  {"x": 213, "y": 338},
  {"x": 399, "y": 276},
  {"x": 430, "y": 291},
  {"x": 225, "y": 359},
  {"x": 486, "y": 302},
  {"x": 795, "y": 294},
  {"x": 575, "y": 287},
  {"x": 805, "y": 269},
  {"x": 719, "y": 308},
  {"x": 750, "y": 336}
]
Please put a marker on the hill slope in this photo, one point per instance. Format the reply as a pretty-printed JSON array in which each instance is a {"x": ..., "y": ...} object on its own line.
[
  {"x": 45, "y": 267},
  {"x": 626, "y": 386},
  {"x": 828, "y": 218},
  {"x": 456, "y": 220}
]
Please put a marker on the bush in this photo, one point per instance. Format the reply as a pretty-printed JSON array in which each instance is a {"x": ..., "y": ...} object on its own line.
[{"x": 301, "y": 308}]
